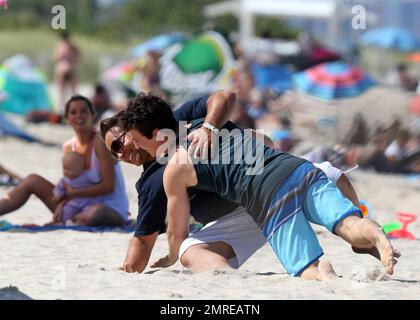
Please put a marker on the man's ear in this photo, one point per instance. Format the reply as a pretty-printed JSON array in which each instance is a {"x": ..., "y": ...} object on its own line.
[{"x": 155, "y": 132}]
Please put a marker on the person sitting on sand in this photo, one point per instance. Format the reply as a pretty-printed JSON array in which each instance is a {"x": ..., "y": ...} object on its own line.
[
  {"x": 397, "y": 151},
  {"x": 76, "y": 177},
  {"x": 281, "y": 192},
  {"x": 113, "y": 209},
  {"x": 405, "y": 81},
  {"x": 209, "y": 248},
  {"x": 101, "y": 101}
]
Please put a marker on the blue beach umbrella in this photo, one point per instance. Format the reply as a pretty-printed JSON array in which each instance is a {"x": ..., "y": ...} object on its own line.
[
  {"x": 390, "y": 38},
  {"x": 158, "y": 43},
  {"x": 334, "y": 80},
  {"x": 274, "y": 77}
]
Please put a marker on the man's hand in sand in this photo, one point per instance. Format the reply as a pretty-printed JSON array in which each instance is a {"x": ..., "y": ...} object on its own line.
[{"x": 164, "y": 262}]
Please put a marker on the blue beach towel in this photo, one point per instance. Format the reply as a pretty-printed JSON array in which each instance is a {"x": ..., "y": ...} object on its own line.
[{"x": 6, "y": 226}]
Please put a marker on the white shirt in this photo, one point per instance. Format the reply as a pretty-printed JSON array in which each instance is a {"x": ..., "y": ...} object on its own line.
[{"x": 395, "y": 150}]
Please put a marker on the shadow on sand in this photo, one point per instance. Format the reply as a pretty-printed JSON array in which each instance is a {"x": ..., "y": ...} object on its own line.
[{"x": 13, "y": 293}]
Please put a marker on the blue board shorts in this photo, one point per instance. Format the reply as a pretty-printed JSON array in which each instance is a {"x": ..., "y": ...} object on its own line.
[{"x": 306, "y": 196}]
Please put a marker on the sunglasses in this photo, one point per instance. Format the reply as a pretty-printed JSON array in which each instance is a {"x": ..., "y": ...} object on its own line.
[{"x": 117, "y": 146}]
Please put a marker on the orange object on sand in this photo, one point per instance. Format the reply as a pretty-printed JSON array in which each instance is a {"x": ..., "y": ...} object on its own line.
[
  {"x": 415, "y": 57},
  {"x": 364, "y": 210},
  {"x": 414, "y": 105}
]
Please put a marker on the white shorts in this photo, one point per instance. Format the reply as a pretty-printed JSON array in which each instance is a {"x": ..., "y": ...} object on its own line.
[{"x": 237, "y": 229}]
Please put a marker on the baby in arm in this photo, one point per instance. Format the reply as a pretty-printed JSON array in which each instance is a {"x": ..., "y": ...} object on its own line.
[{"x": 76, "y": 177}]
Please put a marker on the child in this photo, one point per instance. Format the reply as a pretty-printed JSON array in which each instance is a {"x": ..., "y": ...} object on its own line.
[{"x": 76, "y": 177}]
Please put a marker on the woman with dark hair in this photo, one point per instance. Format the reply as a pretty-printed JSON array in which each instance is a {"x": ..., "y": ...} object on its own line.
[{"x": 113, "y": 210}]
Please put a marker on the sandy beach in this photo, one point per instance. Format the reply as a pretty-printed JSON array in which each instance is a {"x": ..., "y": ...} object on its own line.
[{"x": 82, "y": 265}]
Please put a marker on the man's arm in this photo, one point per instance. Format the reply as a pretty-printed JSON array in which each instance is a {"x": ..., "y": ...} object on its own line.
[
  {"x": 176, "y": 179},
  {"x": 215, "y": 108},
  {"x": 138, "y": 253},
  {"x": 220, "y": 106}
]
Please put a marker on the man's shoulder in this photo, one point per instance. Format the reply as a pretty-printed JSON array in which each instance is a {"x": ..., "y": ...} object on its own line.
[{"x": 151, "y": 178}]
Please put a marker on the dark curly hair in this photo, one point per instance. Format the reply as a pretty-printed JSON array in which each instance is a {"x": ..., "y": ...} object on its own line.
[
  {"x": 109, "y": 123},
  {"x": 146, "y": 113}
]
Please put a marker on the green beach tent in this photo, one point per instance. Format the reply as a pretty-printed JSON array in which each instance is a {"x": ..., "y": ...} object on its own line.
[{"x": 23, "y": 87}]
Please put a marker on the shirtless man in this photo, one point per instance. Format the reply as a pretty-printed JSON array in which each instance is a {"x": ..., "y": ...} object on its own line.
[{"x": 66, "y": 57}]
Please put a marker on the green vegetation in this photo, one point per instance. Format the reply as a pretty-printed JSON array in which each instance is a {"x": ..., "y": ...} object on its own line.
[
  {"x": 39, "y": 46},
  {"x": 107, "y": 32},
  {"x": 126, "y": 19}
]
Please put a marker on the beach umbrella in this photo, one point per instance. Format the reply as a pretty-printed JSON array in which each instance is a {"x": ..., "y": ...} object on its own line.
[
  {"x": 333, "y": 80},
  {"x": 272, "y": 77},
  {"x": 122, "y": 72},
  {"x": 158, "y": 43},
  {"x": 414, "y": 105},
  {"x": 23, "y": 87},
  {"x": 390, "y": 38},
  {"x": 198, "y": 66}
]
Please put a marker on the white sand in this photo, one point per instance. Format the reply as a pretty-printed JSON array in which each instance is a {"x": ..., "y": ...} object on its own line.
[{"x": 78, "y": 265}]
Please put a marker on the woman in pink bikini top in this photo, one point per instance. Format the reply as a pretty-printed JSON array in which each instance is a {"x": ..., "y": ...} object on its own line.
[{"x": 113, "y": 209}]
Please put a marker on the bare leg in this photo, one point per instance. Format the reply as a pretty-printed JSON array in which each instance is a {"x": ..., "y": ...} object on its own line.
[
  {"x": 73, "y": 83},
  {"x": 9, "y": 173},
  {"x": 208, "y": 257},
  {"x": 32, "y": 184},
  {"x": 367, "y": 236},
  {"x": 99, "y": 215},
  {"x": 60, "y": 81}
]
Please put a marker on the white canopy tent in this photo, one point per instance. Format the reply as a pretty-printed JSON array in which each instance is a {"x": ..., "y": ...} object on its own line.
[{"x": 247, "y": 10}]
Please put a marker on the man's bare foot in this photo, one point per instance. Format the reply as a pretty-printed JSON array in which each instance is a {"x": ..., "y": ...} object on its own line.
[
  {"x": 319, "y": 270},
  {"x": 311, "y": 272},
  {"x": 373, "y": 235},
  {"x": 326, "y": 271}
]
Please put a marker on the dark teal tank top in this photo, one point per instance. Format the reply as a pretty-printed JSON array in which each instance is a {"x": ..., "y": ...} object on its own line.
[{"x": 244, "y": 171}]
